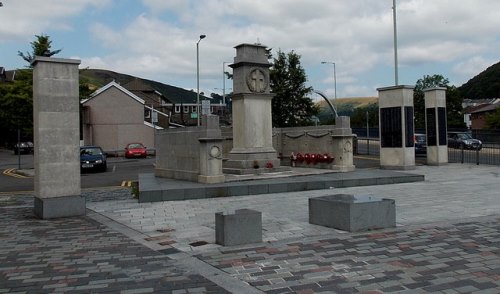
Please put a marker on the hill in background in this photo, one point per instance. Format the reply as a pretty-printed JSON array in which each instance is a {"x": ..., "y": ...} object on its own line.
[
  {"x": 485, "y": 85},
  {"x": 96, "y": 78}
]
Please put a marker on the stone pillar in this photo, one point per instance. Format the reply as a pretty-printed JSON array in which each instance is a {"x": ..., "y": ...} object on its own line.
[
  {"x": 56, "y": 128},
  {"x": 251, "y": 104},
  {"x": 397, "y": 146},
  {"x": 435, "y": 125},
  {"x": 211, "y": 151},
  {"x": 342, "y": 145}
]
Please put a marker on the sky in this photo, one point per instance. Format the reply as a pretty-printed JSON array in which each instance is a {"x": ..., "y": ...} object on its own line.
[{"x": 156, "y": 39}]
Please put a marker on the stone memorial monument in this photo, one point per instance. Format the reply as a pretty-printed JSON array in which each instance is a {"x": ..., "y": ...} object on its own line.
[
  {"x": 253, "y": 149},
  {"x": 435, "y": 125},
  {"x": 56, "y": 128},
  {"x": 397, "y": 146}
]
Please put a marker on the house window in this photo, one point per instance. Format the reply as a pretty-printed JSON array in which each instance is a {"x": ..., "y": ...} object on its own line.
[
  {"x": 177, "y": 109},
  {"x": 193, "y": 108},
  {"x": 147, "y": 113},
  {"x": 186, "y": 109}
]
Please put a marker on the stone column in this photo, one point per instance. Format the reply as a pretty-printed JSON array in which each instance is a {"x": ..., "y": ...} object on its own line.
[
  {"x": 435, "y": 125},
  {"x": 342, "y": 145},
  {"x": 251, "y": 104},
  {"x": 56, "y": 128},
  {"x": 211, "y": 151},
  {"x": 397, "y": 146}
]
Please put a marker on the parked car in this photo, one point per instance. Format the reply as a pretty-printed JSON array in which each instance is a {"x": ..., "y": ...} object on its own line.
[
  {"x": 92, "y": 158},
  {"x": 420, "y": 143},
  {"x": 134, "y": 150},
  {"x": 463, "y": 140},
  {"x": 23, "y": 148}
]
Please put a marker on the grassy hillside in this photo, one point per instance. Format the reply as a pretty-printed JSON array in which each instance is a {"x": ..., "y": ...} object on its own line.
[
  {"x": 483, "y": 86},
  {"x": 97, "y": 78},
  {"x": 353, "y": 102}
]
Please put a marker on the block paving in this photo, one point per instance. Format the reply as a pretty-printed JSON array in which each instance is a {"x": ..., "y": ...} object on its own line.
[
  {"x": 464, "y": 257},
  {"x": 447, "y": 241},
  {"x": 80, "y": 255}
]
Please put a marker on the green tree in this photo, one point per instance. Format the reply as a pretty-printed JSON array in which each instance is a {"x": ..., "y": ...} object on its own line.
[
  {"x": 290, "y": 106},
  {"x": 358, "y": 117},
  {"x": 16, "y": 107},
  {"x": 40, "y": 47},
  {"x": 493, "y": 120},
  {"x": 453, "y": 101},
  {"x": 85, "y": 88},
  {"x": 454, "y": 109}
]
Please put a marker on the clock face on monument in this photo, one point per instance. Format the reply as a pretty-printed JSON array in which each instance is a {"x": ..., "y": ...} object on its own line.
[{"x": 257, "y": 81}]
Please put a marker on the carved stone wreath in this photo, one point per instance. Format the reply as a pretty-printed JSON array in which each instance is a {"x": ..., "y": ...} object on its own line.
[{"x": 257, "y": 80}]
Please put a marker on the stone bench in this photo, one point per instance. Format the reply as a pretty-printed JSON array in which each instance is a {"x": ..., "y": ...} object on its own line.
[
  {"x": 242, "y": 227},
  {"x": 352, "y": 213}
]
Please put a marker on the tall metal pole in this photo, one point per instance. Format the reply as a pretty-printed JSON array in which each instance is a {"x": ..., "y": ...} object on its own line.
[
  {"x": 334, "y": 82},
  {"x": 395, "y": 43},
  {"x": 224, "y": 82},
  {"x": 198, "y": 79},
  {"x": 18, "y": 146}
]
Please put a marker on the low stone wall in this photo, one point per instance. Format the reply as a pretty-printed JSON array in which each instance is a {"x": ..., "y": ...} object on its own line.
[
  {"x": 328, "y": 147},
  {"x": 190, "y": 153}
]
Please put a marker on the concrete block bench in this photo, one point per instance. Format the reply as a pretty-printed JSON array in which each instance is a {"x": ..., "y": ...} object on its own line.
[
  {"x": 242, "y": 227},
  {"x": 352, "y": 213}
]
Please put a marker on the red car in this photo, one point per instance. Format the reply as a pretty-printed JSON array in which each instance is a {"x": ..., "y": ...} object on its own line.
[{"x": 135, "y": 150}]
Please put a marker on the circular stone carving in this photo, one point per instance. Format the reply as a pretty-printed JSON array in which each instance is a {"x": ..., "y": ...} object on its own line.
[
  {"x": 215, "y": 151},
  {"x": 347, "y": 147},
  {"x": 257, "y": 80}
]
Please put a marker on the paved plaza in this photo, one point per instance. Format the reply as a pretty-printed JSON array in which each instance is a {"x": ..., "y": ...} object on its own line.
[{"x": 447, "y": 240}]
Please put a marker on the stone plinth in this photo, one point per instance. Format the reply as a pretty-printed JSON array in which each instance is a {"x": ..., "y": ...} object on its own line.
[
  {"x": 242, "y": 227},
  {"x": 396, "y": 114},
  {"x": 436, "y": 126},
  {"x": 343, "y": 145},
  {"x": 352, "y": 213},
  {"x": 56, "y": 129}
]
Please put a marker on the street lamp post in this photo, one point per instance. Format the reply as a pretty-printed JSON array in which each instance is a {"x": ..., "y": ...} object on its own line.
[
  {"x": 334, "y": 78},
  {"x": 224, "y": 82},
  {"x": 198, "y": 79}
]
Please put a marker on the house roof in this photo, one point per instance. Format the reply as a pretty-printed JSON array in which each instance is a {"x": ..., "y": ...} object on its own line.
[
  {"x": 175, "y": 94},
  {"x": 116, "y": 85},
  {"x": 485, "y": 108},
  {"x": 145, "y": 91}
]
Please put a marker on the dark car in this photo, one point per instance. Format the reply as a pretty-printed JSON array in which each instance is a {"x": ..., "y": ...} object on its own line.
[
  {"x": 420, "y": 143},
  {"x": 92, "y": 158},
  {"x": 135, "y": 150},
  {"x": 23, "y": 148},
  {"x": 463, "y": 140}
]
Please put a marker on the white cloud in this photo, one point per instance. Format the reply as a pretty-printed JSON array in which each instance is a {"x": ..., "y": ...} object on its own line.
[
  {"x": 21, "y": 19},
  {"x": 472, "y": 67},
  {"x": 158, "y": 39}
]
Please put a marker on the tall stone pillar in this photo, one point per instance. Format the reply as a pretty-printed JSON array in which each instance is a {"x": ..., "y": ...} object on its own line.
[
  {"x": 253, "y": 150},
  {"x": 56, "y": 128},
  {"x": 435, "y": 125},
  {"x": 397, "y": 146}
]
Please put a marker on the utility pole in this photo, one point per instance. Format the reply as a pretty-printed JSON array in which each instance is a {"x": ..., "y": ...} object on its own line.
[{"x": 395, "y": 44}]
